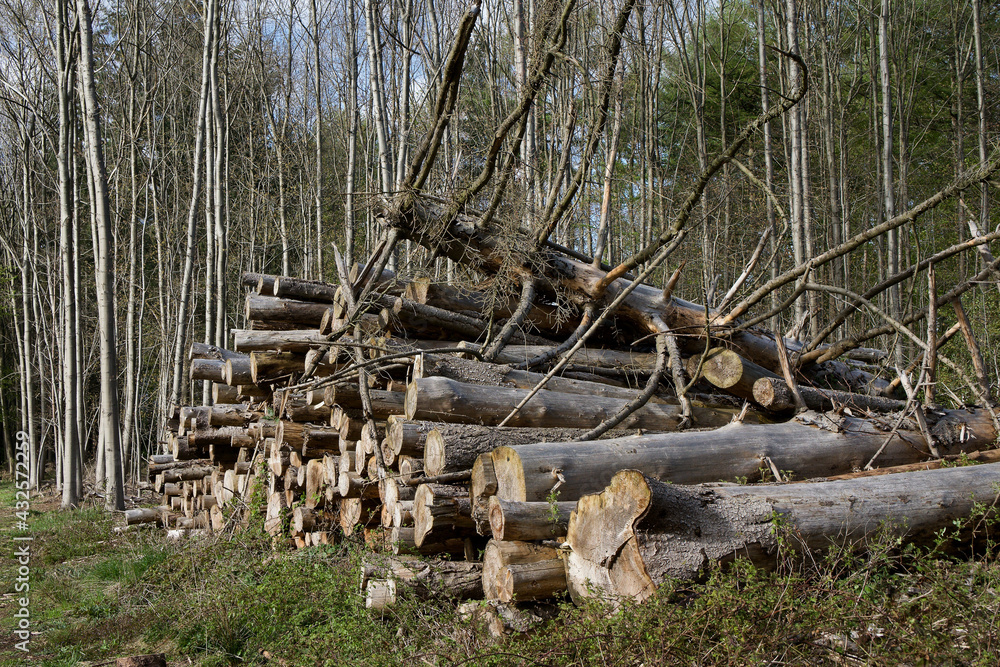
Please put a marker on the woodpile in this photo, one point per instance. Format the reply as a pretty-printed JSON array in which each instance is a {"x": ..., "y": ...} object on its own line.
[{"x": 390, "y": 425}]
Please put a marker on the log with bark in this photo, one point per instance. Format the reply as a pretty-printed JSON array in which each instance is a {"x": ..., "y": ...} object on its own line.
[
  {"x": 427, "y": 578},
  {"x": 774, "y": 395},
  {"x": 639, "y": 532},
  {"x": 450, "y": 448},
  {"x": 441, "y": 399},
  {"x": 441, "y": 510},
  {"x": 510, "y": 520},
  {"x": 285, "y": 313},
  {"x": 811, "y": 445}
]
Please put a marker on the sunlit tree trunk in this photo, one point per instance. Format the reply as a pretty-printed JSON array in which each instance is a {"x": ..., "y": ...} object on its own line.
[{"x": 110, "y": 417}]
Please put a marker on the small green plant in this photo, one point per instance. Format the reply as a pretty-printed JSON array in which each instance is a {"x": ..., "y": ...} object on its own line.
[{"x": 553, "y": 500}]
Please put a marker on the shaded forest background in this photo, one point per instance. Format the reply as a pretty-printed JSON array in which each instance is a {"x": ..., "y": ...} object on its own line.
[{"x": 268, "y": 129}]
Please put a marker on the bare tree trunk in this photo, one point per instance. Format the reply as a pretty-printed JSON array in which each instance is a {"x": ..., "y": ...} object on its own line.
[
  {"x": 181, "y": 329},
  {"x": 768, "y": 154},
  {"x": 796, "y": 211},
  {"x": 105, "y": 271},
  {"x": 72, "y": 462},
  {"x": 892, "y": 239},
  {"x": 318, "y": 98},
  {"x": 379, "y": 108},
  {"x": 984, "y": 201},
  {"x": 352, "y": 132}
]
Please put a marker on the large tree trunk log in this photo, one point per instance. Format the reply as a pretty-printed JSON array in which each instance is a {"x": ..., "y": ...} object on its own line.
[
  {"x": 510, "y": 520},
  {"x": 298, "y": 341},
  {"x": 186, "y": 474},
  {"x": 472, "y": 371},
  {"x": 592, "y": 357},
  {"x": 639, "y": 532},
  {"x": 774, "y": 395},
  {"x": 230, "y": 415},
  {"x": 284, "y": 312},
  {"x": 144, "y": 515},
  {"x": 443, "y": 399},
  {"x": 812, "y": 445},
  {"x": 453, "y": 447}
]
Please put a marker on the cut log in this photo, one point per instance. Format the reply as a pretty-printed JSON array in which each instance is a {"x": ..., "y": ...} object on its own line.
[
  {"x": 229, "y": 415},
  {"x": 473, "y": 371},
  {"x": 290, "y": 434},
  {"x": 315, "y": 483},
  {"x": 223, "y": 393},
  {"x": 303, "y": 520},
  {"x": 262, "y": 282},
  {"x": 384, "y": 403},
  {"x": 812, "y": 445},
  {"x": 222, "y": 435},
  {"x": 184, "y": 474},
  {"x": 298, "y": 341},
  {"x": 285, "y": 312},
  {"x": 774, "y": 395},
  {"x": 730, "y": 372},
  {"x": 587, "y": 357},
  {"x": 982, "y": 456},
  {"x": 144, "y": 515},
  {"x": 208, "y": 369},
  {"x": 500, "y": 554},
  {"x": 208, "y": 351},
  {"x": 156, "y": 468},
  {"x": 353, "y": 485},
  {"x": 404, "y": 542},
  {"x": 380, "y": 594},
  {"x": 272, "y": 366},
  {"x": 453, "y": 447},
  {"x": 440, "y": 511},
  {"x": 239, "y": 373},
  {"x": 527, "y": 522},
  {"x": 428, "y": 578},
  {"x": 358, "y": 512},
  {"x": 532, "y": 581},
  {"x": 639, "y": 532},
  {"x": 442, "y": 399},
  {"x": 304, "y": 290}
]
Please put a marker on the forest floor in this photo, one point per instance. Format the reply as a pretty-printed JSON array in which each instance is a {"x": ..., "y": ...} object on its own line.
[{"x": 96, "y": 595}]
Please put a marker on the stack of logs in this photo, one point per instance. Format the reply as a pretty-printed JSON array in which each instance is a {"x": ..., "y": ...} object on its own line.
[{"x": 451, "y": 502}]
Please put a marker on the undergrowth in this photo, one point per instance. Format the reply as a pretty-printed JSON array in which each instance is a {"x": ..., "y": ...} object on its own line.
[{"x": 233, "y": 600}]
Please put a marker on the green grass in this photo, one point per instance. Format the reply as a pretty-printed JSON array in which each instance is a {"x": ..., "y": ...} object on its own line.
[{"x": 96, "y": 596}]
